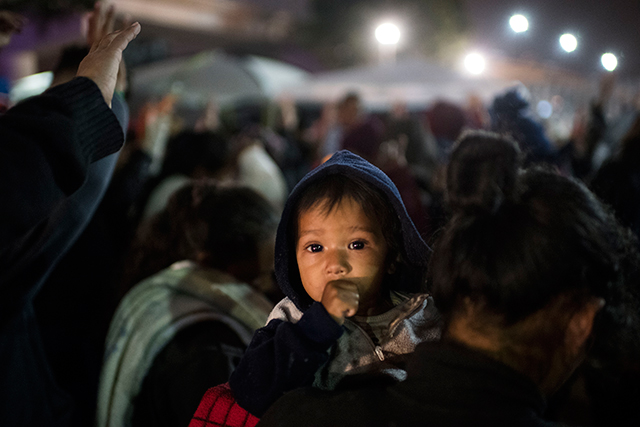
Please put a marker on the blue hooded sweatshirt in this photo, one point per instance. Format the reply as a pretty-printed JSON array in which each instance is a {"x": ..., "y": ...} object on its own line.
[{"x": 302, "y": 345}]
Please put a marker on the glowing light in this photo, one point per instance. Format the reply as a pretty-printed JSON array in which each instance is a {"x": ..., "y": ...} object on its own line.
[
  {"x": 519, "y": 23},
  {"x": 31, "y": 85},
  {"x": 544, "y": 109},
  {"x": 387, "y": 33},
  {"x": 609, "y": 61},
  {"x": 568, "y": 42},
  {"x": 474, "y": 63}
]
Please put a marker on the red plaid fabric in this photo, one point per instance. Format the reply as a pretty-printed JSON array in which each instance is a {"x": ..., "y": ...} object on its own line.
[{"x": 218, "y": 408}]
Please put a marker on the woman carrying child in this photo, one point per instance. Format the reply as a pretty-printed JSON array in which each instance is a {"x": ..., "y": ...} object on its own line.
[{"x": 532, "y": 276}]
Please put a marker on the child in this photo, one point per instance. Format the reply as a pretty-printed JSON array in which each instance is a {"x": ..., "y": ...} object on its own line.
[{"x": 348, "y": 258}]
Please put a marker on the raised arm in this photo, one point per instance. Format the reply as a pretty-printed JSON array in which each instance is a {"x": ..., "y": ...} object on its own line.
[
  {"x": 47, "y": 144},
  {"x": 103, "y": 61}
]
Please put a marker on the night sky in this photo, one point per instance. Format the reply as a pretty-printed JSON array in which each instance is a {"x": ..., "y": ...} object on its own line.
[{"x": 599, "y": 25}]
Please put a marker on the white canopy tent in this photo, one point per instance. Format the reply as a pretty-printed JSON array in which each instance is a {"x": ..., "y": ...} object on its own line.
[
  {"x": 215, "y": 75},
  {"x": 417, "y": 82},
  {"x": 228, "y": 79}
]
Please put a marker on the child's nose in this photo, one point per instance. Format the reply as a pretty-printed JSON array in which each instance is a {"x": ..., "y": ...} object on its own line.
[{"x": 337, "y": 263}]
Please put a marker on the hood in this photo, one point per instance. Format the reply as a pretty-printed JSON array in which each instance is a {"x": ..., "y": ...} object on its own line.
[
  {"x": 510, "y": 104},
  {"x": 510, "y": 113},
  {"x": 414, "y": 249}
]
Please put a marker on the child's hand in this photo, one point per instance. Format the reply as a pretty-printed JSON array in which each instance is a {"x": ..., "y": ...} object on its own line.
[{"x": 340, "y": 298}]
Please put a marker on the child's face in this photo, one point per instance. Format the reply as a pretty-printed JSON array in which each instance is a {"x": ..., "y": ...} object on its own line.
[{"x": 344, "y": 244}]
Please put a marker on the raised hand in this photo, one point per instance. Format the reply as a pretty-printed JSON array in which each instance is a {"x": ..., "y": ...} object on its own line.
[
  {"x": 101, "y": 22},
  {"x": 10, "y": 23},
  {"x": 102, "y": 63},
  {"x": 341, "y": 299}
]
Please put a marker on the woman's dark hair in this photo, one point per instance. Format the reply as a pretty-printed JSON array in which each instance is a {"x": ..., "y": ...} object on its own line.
[
  {"x": 226, "y": 222},
  {"x": 517, "y": 240}
]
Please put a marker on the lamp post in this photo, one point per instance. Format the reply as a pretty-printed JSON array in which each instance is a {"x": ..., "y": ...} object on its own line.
[{"x": 388, "y": 36}]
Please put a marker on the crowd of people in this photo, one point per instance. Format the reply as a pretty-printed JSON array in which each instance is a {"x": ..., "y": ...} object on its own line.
[{"x": 325, "y": 267}]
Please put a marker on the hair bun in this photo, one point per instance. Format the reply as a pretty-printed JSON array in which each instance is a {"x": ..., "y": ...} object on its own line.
[{"x": 482, "y": 172}]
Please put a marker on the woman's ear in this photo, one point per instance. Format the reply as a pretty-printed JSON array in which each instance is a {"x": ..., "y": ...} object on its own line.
[{"x": 580, "y": 326}]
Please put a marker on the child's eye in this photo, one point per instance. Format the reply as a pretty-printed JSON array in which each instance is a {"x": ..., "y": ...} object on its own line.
[
  {"x": 357, "y": 245},
  {"x": 314, "y": 248}
]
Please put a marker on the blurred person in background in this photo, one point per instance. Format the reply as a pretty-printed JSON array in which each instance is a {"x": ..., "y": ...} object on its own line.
[
  {"x": 253, "y": 166},
  {"x": 345, "y": 114},
  {"x": 408, "y": 156},
  {"x": 588, "y": 132},
  {"x": 617, "y": 182},
  {"x": 316, "y": 129},
  {"x": 284, "y": 143},
  {"x": 362, "y": 134},
  {"x": 510, "y": 115},
  {"x": 10, "y": 24},
  {"x": 188, "y": 155},
  {"x": 477, "y": 114},
  {"x": 446, "y": 121},
  {"x": 241, "y": 158},
  {"x": 184, "y": 328},
  {"x": 418, "y": 142},
  {"x": 353, "y": 130}
]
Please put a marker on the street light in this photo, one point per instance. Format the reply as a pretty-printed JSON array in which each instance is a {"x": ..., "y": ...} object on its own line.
[
  {"x": 609, "y": 61},
  {"x": 568, "y": 42},
  {"x": 519, "y": 23},
  {"x": 388, "y": 36},
  {"x": 388, "y": 33},
  {"x": 474, "y": 63}
]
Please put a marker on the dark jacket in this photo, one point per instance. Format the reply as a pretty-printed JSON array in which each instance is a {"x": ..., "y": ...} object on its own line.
[
  {"x": 510, "y": 115},
  {"x": 174, "y": 335},
  {"x": 51, "y": 180},
  {"x": 287, "y": 354},
  {"x": 74, "y": 349},
  {"x": 447, "y": 385}
]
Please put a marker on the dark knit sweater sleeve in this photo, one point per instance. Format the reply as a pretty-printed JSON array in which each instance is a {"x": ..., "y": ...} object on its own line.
[
  {"x": 283, "y": 356},
  {"x": 47, "y": 144}
]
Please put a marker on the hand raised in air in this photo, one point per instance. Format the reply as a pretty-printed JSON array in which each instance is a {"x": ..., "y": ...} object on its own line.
[{"x": 103, "y": 61}]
